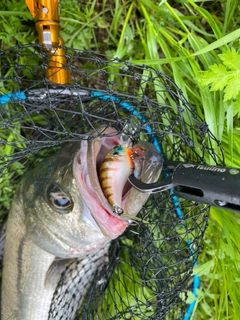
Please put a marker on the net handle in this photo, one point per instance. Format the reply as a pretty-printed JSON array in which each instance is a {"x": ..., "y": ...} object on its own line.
[{"x": 47, "y": 16}]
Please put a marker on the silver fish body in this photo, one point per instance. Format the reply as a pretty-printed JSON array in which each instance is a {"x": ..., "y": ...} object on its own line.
[
  {"x": 60, "y": 215},
  {"x": 38, "y": 235}
]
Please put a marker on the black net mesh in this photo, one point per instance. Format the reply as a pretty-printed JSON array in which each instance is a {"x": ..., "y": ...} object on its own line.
[{"x": 145, "y": 273}]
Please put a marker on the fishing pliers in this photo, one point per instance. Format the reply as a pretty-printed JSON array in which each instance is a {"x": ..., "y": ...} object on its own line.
[{"x": 216, "y": 186}]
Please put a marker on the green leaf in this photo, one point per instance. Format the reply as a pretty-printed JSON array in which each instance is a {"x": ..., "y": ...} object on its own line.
[
  {"x": 233, "y": 87},
  {"x": 205, "y": 268},
  {"x": 217, "y": 77},
  {"x": 231, "y": 59},
  {"x": 236, "y": 107},
  {"x": 224, "y": 77},
  {"x": 219, "y": 43}
]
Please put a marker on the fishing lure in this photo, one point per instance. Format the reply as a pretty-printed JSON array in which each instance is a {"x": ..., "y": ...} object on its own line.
[{"x": 113, "y": 173}]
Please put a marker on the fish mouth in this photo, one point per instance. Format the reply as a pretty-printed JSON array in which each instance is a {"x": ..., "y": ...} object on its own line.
[
  {"x": 86, "y": 172},
  {"x": 106, "y": 144}
]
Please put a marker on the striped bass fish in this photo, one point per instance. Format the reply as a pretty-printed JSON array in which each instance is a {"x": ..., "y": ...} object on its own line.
[{"x": 60, "y": 215}]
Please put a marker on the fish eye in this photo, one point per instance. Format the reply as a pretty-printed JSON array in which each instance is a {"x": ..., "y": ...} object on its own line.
[
  {"x": 61, "y": 201},
  {"x": 58, "y": 199}
]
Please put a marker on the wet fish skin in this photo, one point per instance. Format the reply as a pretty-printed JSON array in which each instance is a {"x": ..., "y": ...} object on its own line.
[
  {"x": 75, "y": 281},
  {"x": 42, "y": 238},
  {"x": 37, "y": 235}
]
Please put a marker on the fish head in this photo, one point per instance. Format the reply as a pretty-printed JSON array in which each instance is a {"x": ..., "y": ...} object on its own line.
[
  {"x": 66, "y": 212},
  {"x": 56, "y": 217}
]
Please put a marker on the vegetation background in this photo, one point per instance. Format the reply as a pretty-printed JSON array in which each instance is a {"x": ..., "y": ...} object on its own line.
[{"x": 197, "y": 44}]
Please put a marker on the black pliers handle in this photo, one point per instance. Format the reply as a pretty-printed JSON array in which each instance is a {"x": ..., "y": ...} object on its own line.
[{"x": 216, "y": 186}]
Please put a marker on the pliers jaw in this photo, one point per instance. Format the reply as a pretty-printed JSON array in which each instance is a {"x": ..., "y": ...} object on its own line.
[
  {"x": 160, "y": 186},
  {"x": 215, "y": 186}
]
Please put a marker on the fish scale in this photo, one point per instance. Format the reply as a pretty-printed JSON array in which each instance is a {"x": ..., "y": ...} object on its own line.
[{"x": 74, "y": 284}]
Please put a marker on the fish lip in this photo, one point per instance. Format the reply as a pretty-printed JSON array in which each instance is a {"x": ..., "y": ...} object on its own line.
[{"x": 77, "y": 252}]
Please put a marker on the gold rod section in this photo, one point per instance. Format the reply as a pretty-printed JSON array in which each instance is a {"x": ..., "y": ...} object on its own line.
[{"x": 47, "y": 16}]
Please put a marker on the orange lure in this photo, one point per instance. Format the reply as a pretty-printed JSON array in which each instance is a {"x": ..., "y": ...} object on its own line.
[{"x": 113, "y": 173}]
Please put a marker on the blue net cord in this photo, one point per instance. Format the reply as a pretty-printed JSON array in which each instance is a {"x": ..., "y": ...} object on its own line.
[{"x": 12, "y": 96}]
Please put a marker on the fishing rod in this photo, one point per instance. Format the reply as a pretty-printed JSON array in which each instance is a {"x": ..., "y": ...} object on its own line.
[{"x": 47, "y": 16}]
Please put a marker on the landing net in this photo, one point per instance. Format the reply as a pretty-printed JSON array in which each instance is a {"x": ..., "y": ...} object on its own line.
[{"x": 147, "y": 272}]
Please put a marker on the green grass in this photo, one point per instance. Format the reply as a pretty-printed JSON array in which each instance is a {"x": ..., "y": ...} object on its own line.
[
  {"x": 220, "y": 268},
  {"x": 183, "y": 39}
]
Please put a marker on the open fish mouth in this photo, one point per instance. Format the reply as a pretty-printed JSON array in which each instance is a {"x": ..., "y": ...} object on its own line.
[
  {"x": 119, "y": 184},
  {"x": 86, "y": 166},
  {"x": 86, "y": 172}
]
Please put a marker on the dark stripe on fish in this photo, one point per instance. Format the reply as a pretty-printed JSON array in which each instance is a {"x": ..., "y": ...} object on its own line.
[{"x": 20, "y": 262}]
